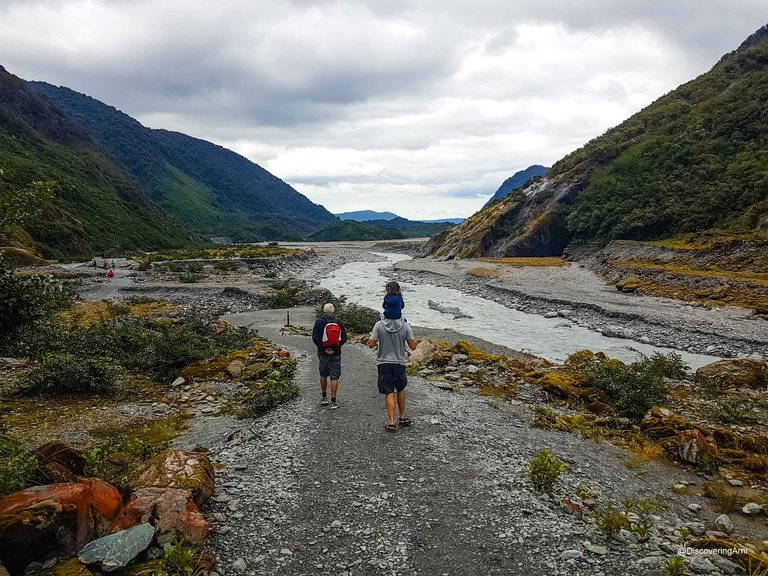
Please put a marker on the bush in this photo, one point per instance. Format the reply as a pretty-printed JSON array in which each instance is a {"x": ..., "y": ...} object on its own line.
[
  {"x": 676, "y": 566},
  {"x": 633, "y": 388},
  {"x": 157, "y": 347},
  {"x": 181, "y": 559},
  {"x": 544, "y": 471},
  {"x": 733, "y": 411},
  {"x": 277, "y": 389},
  {"x": 26, "y": 301},
  {"x": 17, "y": 465},
  {"x": 665, "y": 365},
  {"x": 359, "y": 319},
  {"x": 71, "y": 374},
  {"x": 609, "y": 520}
]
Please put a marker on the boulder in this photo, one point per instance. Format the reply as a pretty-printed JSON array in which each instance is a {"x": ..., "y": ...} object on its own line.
[
  {"x": 613, "y": 331},
  {"x": 235, "y": 368},
  {"x": 738, "y": 372},
  {"x": 56, "y": 517},
  {"x": 724, "y": 524},
  {"x": 59, "y": 462},
  {"x": 116, "y": 550},
  {"x": 694, "y": 448},
  {"x": 172, "y": 511},
  {"x": 191, "y": 471},
  {"x": 752, "y": 509},
  {"x": 424, "y": 352}
]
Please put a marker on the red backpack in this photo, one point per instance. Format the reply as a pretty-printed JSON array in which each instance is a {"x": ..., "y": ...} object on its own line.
[{"x": 331, "y": 335}]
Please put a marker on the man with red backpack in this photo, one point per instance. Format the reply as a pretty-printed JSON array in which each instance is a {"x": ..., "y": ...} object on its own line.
[{"x": 329, "y": 335}]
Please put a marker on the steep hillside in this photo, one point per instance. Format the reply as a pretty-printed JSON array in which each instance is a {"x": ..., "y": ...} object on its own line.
[
  {"x": 206, "y": 187},
  {"x": 517, "y": 180},
  {"x": 695, "y": 159},
  {"x": 97, "y": 207}
]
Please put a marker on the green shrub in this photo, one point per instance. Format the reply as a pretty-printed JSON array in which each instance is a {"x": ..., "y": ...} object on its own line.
[
  {"x": 17, "y": 465},
  {"x": 544, "y": 471},
  {"x": 733, "y": 411},
  {"x": 359, "y": 319},
  {"x": 633, "y": 388},
  {"x": 276, "y": 389},
  {"x": 70, "y": 374},
  {"x": 181, "y": 559},
  {"x": 609, "y": 519},
  {"x": 676, "y": 566},
  {"x": 665, "y": 365},
  {"x": 189, "y": 278},
  {"x": 27, "y": 301},
  {"x": 643, "y": 511}
]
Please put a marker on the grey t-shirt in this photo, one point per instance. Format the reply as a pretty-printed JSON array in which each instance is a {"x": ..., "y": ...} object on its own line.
[{"x": 392, "y": 335}]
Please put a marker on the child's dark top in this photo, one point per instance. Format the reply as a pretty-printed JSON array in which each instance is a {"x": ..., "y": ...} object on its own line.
[{"x": 393, "y": 306}]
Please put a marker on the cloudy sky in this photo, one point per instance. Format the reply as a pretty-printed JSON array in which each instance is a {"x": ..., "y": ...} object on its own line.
[{"x": 418, "y": 107}]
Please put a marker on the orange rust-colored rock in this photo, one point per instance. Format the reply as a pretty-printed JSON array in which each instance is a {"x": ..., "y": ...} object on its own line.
[
  {"x": 172, "y": 511},
  {"x": 55, "y": 517},
  {"x": 191, "y": 471},
  {"x": 694, "y": 448}
]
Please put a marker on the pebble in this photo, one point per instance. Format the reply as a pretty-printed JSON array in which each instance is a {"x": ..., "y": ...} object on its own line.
[
  {"x": 285, "y": 552},
  {"x": 752, "y": 509},
  {"x": 701, "y": 565},
  {"x": 571, "y": 555},
  {"x": 694, "y": 507},
  {"x": 734, "y": 482},
  {"x": 239, "y": 565},
  {"x": 337, "y": 524},
  {"x": 724, "y": 523}
]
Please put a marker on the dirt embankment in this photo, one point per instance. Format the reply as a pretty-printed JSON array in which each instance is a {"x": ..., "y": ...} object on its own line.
[{"x": 704, "y": 272}]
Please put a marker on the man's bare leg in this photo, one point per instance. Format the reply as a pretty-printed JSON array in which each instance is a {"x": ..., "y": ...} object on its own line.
[
  {"x": 334, "y": 388},
  {"x": 389, "y": 401},
  {"x": 401, "y": 397},
  {"x": 324, "y": 385}
]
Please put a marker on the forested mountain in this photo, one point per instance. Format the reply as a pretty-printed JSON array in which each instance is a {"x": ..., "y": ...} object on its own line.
[
  {"x": 97, "y": 206},
  {"x": 391, "y": 229},
  {"x": 207, "y": 188},
  {"x": 517, "y": 180},
  {"x": 366, "y": 215},
  {"x": 695, "y": 159}
]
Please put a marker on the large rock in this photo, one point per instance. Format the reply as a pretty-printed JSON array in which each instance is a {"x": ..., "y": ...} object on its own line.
[
  {"x": 738, "y": 372},
  {"x": 191, "y": 471},
  {"x": 116, "y": 550},
  {"x": 424, "y": 352},
  {"x": 58, "y": 462},
  {"x": 56, "y": 517},
  {"x": 683, "y": 440},
  {"x": 172, "y": 511}
]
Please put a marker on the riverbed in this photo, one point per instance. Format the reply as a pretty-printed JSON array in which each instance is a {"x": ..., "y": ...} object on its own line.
[{"x": 550, "y": 338}]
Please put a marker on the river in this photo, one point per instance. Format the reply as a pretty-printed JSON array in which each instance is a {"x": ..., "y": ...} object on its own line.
[{"x": 550, "y": 338}]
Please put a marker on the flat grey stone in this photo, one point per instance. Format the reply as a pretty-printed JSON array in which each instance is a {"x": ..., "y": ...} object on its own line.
[
  {"x": 117, "y": 550},
  {"x": 752, "y": 509}
]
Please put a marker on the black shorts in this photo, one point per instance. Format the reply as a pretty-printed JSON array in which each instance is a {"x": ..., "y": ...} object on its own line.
[
  {"x": 392, "y": 378},
  {"x": 330, "y": 366}
]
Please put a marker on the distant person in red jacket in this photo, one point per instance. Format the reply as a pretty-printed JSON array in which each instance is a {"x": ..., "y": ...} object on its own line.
[{"x": 111, "y": 273}]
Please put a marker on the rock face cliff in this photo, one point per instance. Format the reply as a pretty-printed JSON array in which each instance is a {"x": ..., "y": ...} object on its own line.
[{"x": 696, "y": 159}]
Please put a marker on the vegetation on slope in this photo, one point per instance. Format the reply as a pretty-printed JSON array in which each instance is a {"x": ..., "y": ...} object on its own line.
[
  {"x": 206, "y": 187},
  {"x": 97, "y": 207},
  {"x": 696, "y": 159}
]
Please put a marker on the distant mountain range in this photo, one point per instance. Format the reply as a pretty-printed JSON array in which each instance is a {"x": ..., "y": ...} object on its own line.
[
  {"x": 123, "y": 186},
  {"x": 372, "y": 215},
  {"x": 518, "y": 180},
  {"x": 392, "y": 229},
  {"x": 695, "y": 159}
]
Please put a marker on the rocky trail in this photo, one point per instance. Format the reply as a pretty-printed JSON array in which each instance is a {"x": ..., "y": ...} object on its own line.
[{"x": 307, "y": 490}]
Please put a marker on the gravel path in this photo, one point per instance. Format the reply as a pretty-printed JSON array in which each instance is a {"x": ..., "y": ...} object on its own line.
[{"x": 307, "y": 490}]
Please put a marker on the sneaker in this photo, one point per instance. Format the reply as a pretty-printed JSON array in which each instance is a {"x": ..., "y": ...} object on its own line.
[
  {"x": 334, "y": 405},
  {"x": 324, "y": 402}
]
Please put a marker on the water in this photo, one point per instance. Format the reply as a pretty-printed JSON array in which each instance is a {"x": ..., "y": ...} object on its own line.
[{"x": 551, "y": 338}]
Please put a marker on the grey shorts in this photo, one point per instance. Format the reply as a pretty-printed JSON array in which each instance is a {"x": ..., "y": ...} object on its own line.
[{"x": 330, "y": 366}]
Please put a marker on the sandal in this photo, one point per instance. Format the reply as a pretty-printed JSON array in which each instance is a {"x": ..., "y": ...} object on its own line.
[
  {"x": 405, "y": 421},
  {"x": 390, "y": 427}
]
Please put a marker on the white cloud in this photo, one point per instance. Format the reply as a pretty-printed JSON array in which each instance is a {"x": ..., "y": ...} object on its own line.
[{"x": 422, "y": 106}]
